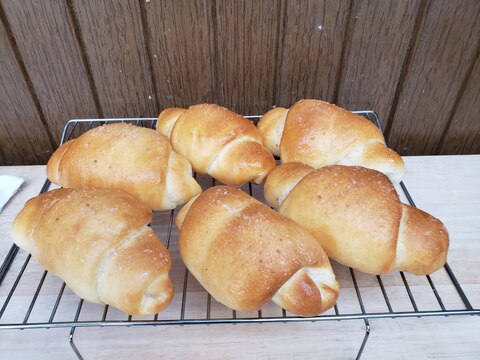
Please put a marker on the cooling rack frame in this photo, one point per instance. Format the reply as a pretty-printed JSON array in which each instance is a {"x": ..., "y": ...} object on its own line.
[{"x": 73, "y": 126}]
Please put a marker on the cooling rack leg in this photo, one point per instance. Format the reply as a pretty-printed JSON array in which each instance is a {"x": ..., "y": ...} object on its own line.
[
  {"x": 365, "y": 338},
  {"x": 72, "y": 344}
]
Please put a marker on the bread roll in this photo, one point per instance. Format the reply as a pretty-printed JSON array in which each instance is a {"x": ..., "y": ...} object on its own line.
[
  {"x": 217, "y": 142},
  {"x": 317, "y": 133},
  {"x": 245, "y": 254},
  {"x": 99, "y": 243},
  {"x": 137, "y": 160},
  {"x": 356, "y": 215}
]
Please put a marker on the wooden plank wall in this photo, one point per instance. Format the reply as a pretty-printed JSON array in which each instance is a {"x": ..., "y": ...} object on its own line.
[{"x": 416, "y": 62}]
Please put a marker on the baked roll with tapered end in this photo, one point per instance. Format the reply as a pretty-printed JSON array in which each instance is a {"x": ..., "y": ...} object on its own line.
[
  {"x": 121, "y": 156},
  {"x": 99, "y": 243},
  {"x": 357, "y": 216},
  {"x": 317, "y": 133},
  {"x": 244, "y": 254},
  {"x": 217, "y": 142}
]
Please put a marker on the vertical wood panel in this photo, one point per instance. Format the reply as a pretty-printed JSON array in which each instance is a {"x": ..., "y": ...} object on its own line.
[
  {"x": 247, "y": 38},
  {"x": 312, "y": 47},
  {"x": 375, "y": 52},
  {"x": 181, "y": 41},
  {"x": 52, "y": 59},
  {"x": 23, "y": 137},
  {"x": 125, "y": 58},
  {"x": 463, "y": 136},
  {"x": 114, "y": 42},
  {"x": 446, "y": 49}
]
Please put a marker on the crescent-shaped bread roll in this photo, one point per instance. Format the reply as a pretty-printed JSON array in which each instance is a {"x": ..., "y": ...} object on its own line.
[
  {"x": 99, "y": 243},
  {"x": 244, "y": 254},
  {"x": 121, "y": 156},
  {"x": 218, "y": 142},
  {"x": 357, "y": 216},
  {"x": 317, "y": 133}
]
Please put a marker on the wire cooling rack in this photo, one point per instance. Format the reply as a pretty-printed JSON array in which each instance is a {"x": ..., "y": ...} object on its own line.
[{"x": 362, "y": 296}]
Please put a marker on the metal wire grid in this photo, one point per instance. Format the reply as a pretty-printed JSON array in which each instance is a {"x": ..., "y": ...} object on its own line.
[{"x": 78, "y": 126}]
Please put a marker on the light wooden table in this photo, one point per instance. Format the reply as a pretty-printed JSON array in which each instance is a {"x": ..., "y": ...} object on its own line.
[{"x": 446, "y": 186}]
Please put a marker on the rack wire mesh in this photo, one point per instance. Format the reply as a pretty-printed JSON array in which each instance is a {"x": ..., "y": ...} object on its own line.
[{"x": 53, "y": 305}]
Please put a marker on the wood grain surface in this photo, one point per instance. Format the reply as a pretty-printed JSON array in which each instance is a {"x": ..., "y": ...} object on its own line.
[
  {"x": 312, "y": 49},
  {"x": 181, "y": 44},
  {"x": 115, "y": 47},
  {"x": 448, "y": 45},
  {"x": 53, "y": 60},
  {"x": 413, "y": 61},
  {"x": 247, "y": 39},
  {"x": 463, "y": 135},
  {"x": 374, "y": 58},
  {"x": 23, "y": 136}
]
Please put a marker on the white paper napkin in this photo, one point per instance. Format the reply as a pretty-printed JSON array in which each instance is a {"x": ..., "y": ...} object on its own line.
[{"x": 9, "y": 185}]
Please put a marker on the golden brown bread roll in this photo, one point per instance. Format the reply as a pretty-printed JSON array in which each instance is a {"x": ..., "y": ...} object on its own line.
[
  {"x": 99, "y": 243},
  {"x": 356, "y": 215},
  {"x": 137, "y": 160},
  {"x": 245, "y": 254},
  {"x": 217, "y": 142},
  {"x": 317, "y": 133}
]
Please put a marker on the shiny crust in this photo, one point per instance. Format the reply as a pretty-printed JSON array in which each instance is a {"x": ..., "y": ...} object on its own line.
[
  {"x": 137, "y": 160},
  {"x": 356, "y": 215},
  {"x": 423, "y": 242},
  {"x": 244, "y": 254},
  {"x": 271, "y": 128},
  {"x": 54, "y": 162},
  {"x": 97, "y": 241},
  {"x": 280, "y": 183},
  {"x": 318, "y": 134},
  {"x": 167, "y": 119},
  {"x": 218, "y": 142},
  {"x": 250, "y": 160}
]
